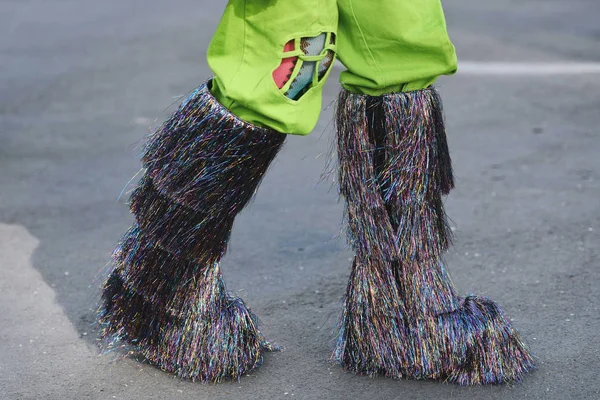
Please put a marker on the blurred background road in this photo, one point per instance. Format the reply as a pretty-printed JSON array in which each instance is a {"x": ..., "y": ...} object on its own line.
[{"x": 82, "y": 81}]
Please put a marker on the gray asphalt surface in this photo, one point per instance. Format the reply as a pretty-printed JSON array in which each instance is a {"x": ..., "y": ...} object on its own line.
[{"x": 82, "y": 81}]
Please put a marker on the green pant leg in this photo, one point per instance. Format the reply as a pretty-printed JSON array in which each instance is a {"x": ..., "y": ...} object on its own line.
[
  {"x": 248, "y": 47},
  {"x": 393, "y": 45}
]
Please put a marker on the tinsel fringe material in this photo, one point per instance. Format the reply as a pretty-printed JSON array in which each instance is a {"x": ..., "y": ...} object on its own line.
[
  {"x": 402, "y": 316},
  {"x": 165, "y": 297},
  {"x": 211, "y": 337}
]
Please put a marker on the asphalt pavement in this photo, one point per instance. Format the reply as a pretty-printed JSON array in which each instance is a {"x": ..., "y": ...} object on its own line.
[{"x": 81, "y": 82}]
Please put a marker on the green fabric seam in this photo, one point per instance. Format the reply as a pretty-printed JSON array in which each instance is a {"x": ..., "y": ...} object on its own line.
[
  {"x": 244, "y": 47},
  {"x": 364, "y": 39}
]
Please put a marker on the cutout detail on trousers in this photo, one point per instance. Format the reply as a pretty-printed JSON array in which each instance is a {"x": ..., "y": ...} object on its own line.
[{"x": 310, "y": 59}]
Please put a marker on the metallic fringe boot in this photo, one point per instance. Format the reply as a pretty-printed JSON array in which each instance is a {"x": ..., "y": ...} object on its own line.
[
  {"x": 165, "y": 298},
  {"x": 402, "y": 316}
]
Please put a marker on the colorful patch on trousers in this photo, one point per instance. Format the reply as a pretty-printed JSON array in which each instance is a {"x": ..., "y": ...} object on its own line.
[{"x": 310, "y": 59}]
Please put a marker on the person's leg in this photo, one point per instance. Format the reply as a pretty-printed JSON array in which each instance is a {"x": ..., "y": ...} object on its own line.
[
  {"x": 402, "y": 315},
  {"x": 393, "y": 46},
  {"x": 165, "y": 297},
  {"x": 271, "y": 60}
]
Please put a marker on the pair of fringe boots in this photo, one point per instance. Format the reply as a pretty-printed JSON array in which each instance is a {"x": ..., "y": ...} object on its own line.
[{"x": 166, "y": 299}]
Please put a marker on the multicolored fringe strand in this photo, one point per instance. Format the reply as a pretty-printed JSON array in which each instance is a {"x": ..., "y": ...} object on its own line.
[
  {"x": 402, "y": 316},
  {"x": 165, "y": 298}
]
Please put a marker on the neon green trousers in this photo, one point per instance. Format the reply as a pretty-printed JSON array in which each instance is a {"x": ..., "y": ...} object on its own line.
[{"x": 271, "y": 58}]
